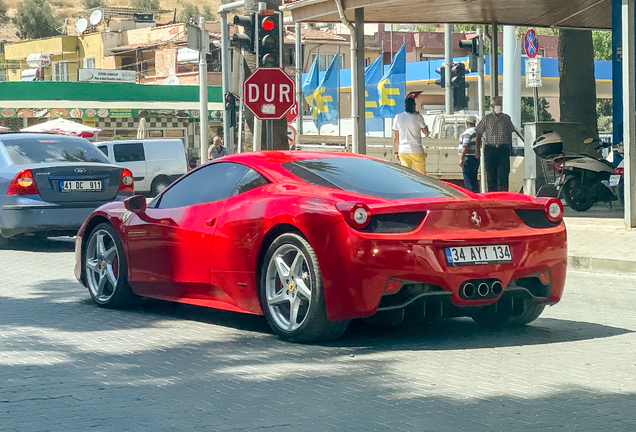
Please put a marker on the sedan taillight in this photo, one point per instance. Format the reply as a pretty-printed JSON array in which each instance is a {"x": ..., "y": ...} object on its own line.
[
  {"x": 23, "y": 184},
  {"x": 127, "y": 183}
]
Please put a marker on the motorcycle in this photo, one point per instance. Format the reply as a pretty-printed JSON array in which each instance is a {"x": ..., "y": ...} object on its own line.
[{"x": 581, "y": 180}]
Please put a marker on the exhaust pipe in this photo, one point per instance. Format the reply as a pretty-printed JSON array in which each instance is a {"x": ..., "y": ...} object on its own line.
[
  {"x": 468, "y": 290},
  {"x": 496, "y": 288},
  {"x": 483, "y": 289}
]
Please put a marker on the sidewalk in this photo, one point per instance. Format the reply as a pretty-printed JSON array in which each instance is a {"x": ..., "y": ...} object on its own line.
[{"x": 598, "y": 241}]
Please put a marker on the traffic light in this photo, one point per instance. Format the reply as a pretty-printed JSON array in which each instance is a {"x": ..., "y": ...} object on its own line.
[
  {"x": 269, "y": 34},
  {"x": 230, "y": 107},
  {"x": 246, "y": 39},
  {"x": 458, "y": 82},
  {"x": 472, "y": 45},
  {"x": 441, "y": 81}
]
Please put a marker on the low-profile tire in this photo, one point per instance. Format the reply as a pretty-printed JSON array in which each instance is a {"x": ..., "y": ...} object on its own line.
[
  {"x": 576, "y": 195},
  {"x": 491, "y": 317},
  {"x": 291, "y": 292},
  {"x": 159, "y": 185},
  {"x": 106, "y": 269}
]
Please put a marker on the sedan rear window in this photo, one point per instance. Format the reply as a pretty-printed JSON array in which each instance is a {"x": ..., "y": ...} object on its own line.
[
  {"x": 29, "y": 150},
  {"x": 370, "y": 177}
]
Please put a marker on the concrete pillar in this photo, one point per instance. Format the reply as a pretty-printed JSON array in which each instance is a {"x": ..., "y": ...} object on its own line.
[
  {"x": 512, "y": 75},
  {"x": 629, "y": 111}
]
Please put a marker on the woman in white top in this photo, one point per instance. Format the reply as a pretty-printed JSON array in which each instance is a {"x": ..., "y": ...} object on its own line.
[{"x": 407, "y": 137}]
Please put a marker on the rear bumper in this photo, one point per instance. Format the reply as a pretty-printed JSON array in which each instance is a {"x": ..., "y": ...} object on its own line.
[
  {"x": 27, "y": 215},
  {"x": 356, "y": 268}
]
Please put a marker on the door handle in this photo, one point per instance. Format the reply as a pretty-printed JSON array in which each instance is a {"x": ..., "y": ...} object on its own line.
[{"x": 210, "y": 222}]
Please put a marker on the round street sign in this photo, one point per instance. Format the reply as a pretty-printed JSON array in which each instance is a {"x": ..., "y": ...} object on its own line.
[
  {"x": 532, "y": 43},
  {"x": 269, "y": 93}
]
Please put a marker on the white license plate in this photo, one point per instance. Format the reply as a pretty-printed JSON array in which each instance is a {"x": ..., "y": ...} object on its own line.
[
  {"x": 615, "y": 179},
  {"x": 472, "y": 255},
  {"x": 80, "y": 185}
]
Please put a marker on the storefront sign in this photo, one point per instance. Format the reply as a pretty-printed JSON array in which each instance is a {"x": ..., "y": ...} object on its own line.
[
  {"x": 215, "y": 115},
  {"x": 106, "y": 75}
]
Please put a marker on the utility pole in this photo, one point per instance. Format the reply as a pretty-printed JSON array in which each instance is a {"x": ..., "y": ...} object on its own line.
[
  {"x": 299, "y": 80},
  {"x": 482, "y": 102},
  {"x": 203, "y": 92},
  {"x": 448, "y": 51}
]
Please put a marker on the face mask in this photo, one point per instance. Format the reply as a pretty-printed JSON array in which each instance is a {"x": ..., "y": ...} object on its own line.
[{"x": 496, "y": 109}]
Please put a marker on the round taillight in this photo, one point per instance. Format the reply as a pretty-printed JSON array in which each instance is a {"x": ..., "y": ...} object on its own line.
[
  {"x": 361, "y": 216},
  {"x": 25, "y": 181},
  {"x": 554, "y": 210},
  {"x": 127, "y": 180}
]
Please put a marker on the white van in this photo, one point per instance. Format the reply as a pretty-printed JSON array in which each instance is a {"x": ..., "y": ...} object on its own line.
[{"x": 155, "y": 163}]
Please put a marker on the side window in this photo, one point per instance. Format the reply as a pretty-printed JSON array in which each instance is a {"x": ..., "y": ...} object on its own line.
[
  {"x": 104, "y": 149},
  {"x": 250, "y": 181},
  {"x": 129, "y": 152},
  {"x": 208, "y": 184}
]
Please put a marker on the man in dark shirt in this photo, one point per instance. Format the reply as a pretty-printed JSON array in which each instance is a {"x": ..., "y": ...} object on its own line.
[{"x": 495, "y": 132}]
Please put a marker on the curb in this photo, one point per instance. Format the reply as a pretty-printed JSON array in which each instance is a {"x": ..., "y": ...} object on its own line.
[{"x": 601, "y": 265}]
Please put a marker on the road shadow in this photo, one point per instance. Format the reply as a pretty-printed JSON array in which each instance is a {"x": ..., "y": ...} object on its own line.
[
  {"x": 50, "y": 244},
  {"x": 58, "y": 299}
]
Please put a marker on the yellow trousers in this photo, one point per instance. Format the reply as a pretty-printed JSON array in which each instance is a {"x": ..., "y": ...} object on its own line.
[{"x": 415, "y": 161}]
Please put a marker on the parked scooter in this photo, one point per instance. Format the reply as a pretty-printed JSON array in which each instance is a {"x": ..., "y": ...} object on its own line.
[{"x": 581, "y": 180}]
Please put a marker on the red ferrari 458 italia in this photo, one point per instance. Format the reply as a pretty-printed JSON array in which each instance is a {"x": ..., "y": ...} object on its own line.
[{"x": 313, "y": 240}]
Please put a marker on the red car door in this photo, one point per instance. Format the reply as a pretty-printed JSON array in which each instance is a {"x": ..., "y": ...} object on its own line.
[{"x": 170, "y": 246}]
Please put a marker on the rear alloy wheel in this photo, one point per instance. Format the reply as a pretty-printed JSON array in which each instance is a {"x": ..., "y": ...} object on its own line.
[
  {"x": 106, "y": 270},
  {"x": 291, "y": 292},
  {"x": 159, "y": 185},
  {"x": 578, "y": 195},
  {"x": 494, "y": 317}
]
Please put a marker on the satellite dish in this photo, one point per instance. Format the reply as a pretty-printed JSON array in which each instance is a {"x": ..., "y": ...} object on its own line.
[
  {"x": 171, "y": 80},
  {"x": 96, "y": 17},
  {"x": 81, "y": 26}
]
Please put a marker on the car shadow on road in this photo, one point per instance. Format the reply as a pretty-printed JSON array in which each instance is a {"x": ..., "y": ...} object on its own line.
[
  {"x": 60, "y": 298},
  {"x": 52, "y": 244}
]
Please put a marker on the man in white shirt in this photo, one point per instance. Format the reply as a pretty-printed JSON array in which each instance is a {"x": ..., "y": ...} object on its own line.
[{"x": 408, "y": 128}]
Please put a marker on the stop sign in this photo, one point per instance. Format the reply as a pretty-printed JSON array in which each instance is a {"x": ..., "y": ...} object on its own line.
[{"x": 269, "y": 93}]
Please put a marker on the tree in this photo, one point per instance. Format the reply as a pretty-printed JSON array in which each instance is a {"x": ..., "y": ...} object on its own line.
[
  {"x": 577, "y": 84},
  {"x": 207, "y": 13},
  {"x": 3, "y": 12},
  {"x": 602, "y": 45},
  {"x": 90, "y": 4},
  {"x": 35, "y": 19},
  {"x": 527, "y": 110},
  {"x": 189, "y": 12},
  {"x": 145, "y": 4}
]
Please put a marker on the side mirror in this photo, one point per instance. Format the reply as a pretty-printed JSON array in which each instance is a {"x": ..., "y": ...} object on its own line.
[{"x": 135, "y": 204}]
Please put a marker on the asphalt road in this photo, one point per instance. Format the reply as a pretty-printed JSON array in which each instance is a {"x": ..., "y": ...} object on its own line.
[{"x": 67, "y": 365}]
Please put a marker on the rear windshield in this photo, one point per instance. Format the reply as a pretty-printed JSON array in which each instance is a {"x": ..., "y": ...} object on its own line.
[
  {"x": 28, "y": 150},
  {"x": 370, "y": 177}
]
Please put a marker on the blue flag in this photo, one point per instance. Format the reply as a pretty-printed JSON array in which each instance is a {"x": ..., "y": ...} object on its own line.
[
  {"x": 325, "y": 97},
  {"x": 311, "y": 83},
  {"x": 392, "y": 86},
  {"x": 372, "y": 76}
]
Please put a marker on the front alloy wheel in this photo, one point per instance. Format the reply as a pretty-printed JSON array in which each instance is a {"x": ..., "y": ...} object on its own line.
[
  {"x": 291, "y": 292},
  {"x": 105, "y": 268}
]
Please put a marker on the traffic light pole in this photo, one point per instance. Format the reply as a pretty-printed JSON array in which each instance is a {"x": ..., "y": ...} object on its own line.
[
  {"x": 225, "y": 69},
  {"x": 203, "y": 93},
  {"x": 299, "y": 80},
  {"x": 448, "y": 51},
  {"x": 482, "y": 103}
]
